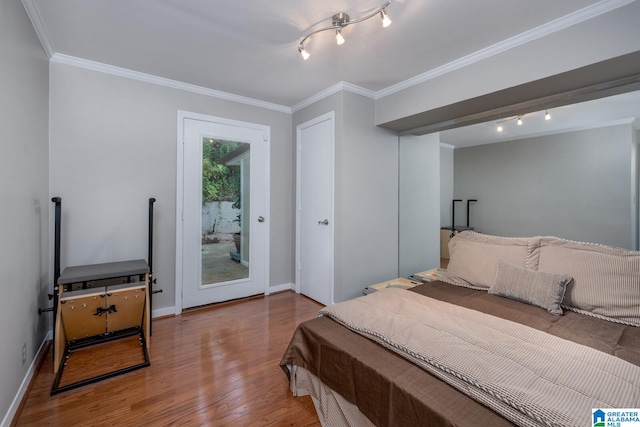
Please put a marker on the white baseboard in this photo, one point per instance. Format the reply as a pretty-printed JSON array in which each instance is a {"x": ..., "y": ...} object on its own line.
[
  {"x": 280, "y": 288},
  {"x": 161, "y": 312},
  {"x": 171, "y": 311},
  {"x": 13, "y": 409}
]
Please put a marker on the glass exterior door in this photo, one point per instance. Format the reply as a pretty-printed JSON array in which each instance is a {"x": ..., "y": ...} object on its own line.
[
  {"x": 224, "y": 228},
  {"x": 226, "y": 189}
]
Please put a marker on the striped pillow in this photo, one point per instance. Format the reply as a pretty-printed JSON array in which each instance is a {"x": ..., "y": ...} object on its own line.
[
  {"x": 606, "y": 280},
  {"x": 474, "y": 257},
  {"x": 537, "y": 288}
]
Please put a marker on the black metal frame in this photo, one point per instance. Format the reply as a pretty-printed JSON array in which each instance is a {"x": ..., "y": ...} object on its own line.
[
  {"x": 56, "y": 263},
  {"x": 150, "y": 262},
  {"x": 98, "y": 339},
  {"x": 468, "y": 216},
  {"x": 453, "y": 216}
]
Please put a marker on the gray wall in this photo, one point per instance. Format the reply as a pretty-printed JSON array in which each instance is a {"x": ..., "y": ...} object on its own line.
[
  {"x": 635, "y": 185},
  {"x": 113, "y": 145},
  {"x": 24, "y": 190},
  {"x": 446, "y": 184},
  {"x": 419, "y": 203},
  {"x": 575, "y": 185},
  {"x": 366, "y": 193},
  {"x": 367, "y": 168}
]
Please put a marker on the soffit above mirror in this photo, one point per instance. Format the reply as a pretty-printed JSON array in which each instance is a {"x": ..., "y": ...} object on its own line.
[{"x": 611, "y": 77}]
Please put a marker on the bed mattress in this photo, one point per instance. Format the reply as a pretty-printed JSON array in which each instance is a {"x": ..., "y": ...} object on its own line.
[{"x": 390, "y": 390}]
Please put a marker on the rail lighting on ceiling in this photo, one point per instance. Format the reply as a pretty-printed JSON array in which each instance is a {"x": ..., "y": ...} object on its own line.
[
  {"x": 518, "y": 120},
  {"x": 341, "y": 20}
]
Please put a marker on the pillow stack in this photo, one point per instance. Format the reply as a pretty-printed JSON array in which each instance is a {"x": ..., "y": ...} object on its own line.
[{"x": 551, "y": 273}]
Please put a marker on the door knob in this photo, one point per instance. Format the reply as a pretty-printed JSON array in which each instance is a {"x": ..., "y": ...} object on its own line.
[
  {"x": 260, "y": 219},
  {"x": 325, "y": 222}
]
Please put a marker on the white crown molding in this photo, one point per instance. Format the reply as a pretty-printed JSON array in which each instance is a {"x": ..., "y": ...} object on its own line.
[
  {"x": 358, "y": 90},
  {"x": 597, "y": 9},
  {"x": 445, "y": 145},
  {"x": 161, "y": 81},
  {"x": 36, "y": 20},
  {"x": 566, "y": 21},
  {"x": 317, "y": 97},
  {"x": 332, "y": 90},
  {"x": 38, "y": 26}
]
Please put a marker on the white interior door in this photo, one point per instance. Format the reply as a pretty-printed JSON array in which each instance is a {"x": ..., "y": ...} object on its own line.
[
  {"x": 209, "y": 267},
  {"x": 314, "y": 216}
]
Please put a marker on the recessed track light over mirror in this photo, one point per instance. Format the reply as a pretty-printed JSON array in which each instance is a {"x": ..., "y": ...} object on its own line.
[{"x": 519, "y": 120}]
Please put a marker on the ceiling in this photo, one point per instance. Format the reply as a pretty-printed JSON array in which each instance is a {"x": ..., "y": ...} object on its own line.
[{"x": 249, "y": 47}]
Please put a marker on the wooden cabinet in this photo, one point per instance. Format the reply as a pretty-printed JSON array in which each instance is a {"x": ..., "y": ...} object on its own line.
[{"x": 445, "y": 237}]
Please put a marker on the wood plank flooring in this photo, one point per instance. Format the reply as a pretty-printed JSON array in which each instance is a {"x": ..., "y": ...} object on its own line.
[{"x": 216, "y": 366}]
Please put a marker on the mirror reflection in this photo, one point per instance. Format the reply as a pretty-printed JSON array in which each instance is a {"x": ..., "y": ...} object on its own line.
[{"x": 573, "y": 175}]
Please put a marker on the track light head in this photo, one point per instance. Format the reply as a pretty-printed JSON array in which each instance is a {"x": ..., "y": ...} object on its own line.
[
  {"x": 339, "y": 38},
  {"x": 547, "y": 116},
  {"x": 520, "y": 121},
  {"x": 386, "y": 21},
  {"x": 303, "y": 52}
]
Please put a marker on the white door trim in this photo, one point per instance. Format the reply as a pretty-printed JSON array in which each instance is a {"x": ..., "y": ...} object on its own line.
[
  {"x": 331, "y": 117},
  {"x": 182, "y": 116}
]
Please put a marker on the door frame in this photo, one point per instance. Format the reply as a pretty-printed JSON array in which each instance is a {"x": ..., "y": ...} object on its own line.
[
  {"x": 330, "y": 116},
  {"x": 187, "y": 115}
]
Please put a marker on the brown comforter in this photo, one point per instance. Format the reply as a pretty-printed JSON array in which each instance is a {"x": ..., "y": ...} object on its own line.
[{"x": 390, "y": 390}]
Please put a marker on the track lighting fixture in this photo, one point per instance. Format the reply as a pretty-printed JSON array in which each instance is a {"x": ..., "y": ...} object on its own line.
[
  {"x": 341, "y": 20},
  {"x": 518, "y": 120},
  {"x": 303, "y": 52}
]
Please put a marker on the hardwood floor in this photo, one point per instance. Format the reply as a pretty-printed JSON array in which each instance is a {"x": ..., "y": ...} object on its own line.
[{"x": 210, "y": 367}]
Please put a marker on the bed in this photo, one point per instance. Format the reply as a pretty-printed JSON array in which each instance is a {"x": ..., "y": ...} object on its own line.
[{"x": 520, "y": 331}]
